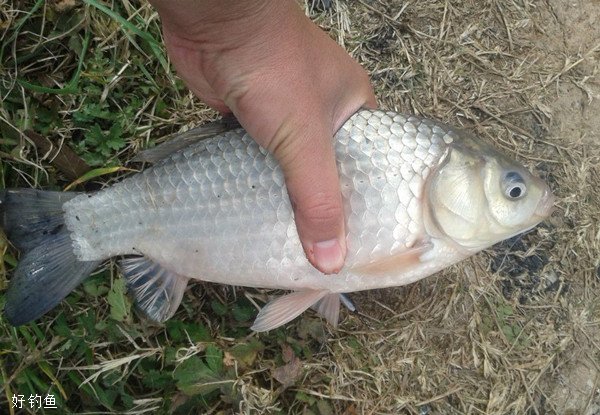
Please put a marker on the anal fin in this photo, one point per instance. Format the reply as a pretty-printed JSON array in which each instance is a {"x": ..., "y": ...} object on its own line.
[
  {"x": 157, "y": 291},
  {"x": 286, "y": 308}
]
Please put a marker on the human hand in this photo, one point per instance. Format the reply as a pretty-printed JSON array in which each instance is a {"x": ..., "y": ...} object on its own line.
[{"x": 288, "y": 84}]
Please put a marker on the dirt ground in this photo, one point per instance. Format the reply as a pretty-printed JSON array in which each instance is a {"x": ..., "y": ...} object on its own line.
[
  {"x": 517, "y": 329},
  {"x": 573, "y": 30}
]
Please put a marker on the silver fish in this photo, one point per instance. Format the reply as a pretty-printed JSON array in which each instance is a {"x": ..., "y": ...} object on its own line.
[{"x": 418, "y": 197}]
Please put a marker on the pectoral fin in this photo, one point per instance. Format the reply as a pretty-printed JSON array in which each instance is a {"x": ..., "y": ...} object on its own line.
[
  {"x": 329, "y": 308},
  {"x": 401, "y": 261},
  {"x": 157, "y": 291},
  {"x": 286, "y": 308}
]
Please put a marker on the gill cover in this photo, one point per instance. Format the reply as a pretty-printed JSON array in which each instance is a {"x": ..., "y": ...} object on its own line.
[
  {"x": 478, "y": 197},
  {"x": 454, "y": 196}
]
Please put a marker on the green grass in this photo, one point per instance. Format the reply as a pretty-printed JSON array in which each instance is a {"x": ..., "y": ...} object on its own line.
[
  {"x": 95, "y": 77},
  {"x": 492, "y": 336}
]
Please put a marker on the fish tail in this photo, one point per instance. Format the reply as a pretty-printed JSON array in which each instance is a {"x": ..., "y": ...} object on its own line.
[{"x": 48, "y": 270}]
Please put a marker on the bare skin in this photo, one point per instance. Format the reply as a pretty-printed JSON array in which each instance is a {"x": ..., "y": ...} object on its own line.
[{"x": 290, "y": 86}]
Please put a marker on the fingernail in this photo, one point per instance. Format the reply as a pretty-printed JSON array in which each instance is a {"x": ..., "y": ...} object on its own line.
[{"x": 328, "y": 256}]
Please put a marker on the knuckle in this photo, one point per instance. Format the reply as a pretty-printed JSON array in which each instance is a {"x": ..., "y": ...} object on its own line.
[
  {"x": 283, "y": 145},
  {"x": 239, "y": 94},
  {"x": 320, "y": 210}
]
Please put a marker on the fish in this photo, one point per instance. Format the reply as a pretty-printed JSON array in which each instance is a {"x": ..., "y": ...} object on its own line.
[{"x": 418, "y": 196}]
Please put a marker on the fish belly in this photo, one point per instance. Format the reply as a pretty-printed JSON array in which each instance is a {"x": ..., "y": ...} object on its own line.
[{"x": 219, "y": 211}]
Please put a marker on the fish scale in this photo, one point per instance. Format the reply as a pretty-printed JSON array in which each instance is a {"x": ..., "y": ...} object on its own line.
[
  {"x": 219, "y": 210},
  {"x": 418, "y": 196}
]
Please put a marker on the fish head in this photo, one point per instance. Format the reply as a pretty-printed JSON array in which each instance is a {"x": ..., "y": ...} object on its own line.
[{"x": 478, "y": 197}]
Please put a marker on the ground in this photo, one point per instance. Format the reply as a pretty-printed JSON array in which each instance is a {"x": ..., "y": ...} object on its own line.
[{"x": 513, "y": 330}]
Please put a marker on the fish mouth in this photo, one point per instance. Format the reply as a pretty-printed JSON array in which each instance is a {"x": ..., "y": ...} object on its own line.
[{"x": 545, "y": 206}]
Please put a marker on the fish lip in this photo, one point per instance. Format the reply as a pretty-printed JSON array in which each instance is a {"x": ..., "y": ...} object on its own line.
[{"x": 545, "y": 206}]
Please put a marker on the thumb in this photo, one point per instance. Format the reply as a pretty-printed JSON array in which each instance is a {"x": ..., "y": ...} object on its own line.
[{"x": 308, "y": 163}]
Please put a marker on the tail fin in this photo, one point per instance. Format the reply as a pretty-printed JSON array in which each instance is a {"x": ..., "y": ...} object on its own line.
[{"x": 48, "y": 271}]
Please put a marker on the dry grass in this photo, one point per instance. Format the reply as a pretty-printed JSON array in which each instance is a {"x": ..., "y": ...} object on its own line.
[
  {"x": 514, "y": 330},
  {"x": 517, "y": 329}
]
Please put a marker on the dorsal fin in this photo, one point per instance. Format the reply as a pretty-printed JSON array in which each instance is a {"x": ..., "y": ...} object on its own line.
[
  {"x": 157, "y": 291},
  {"x": 182, "y": 140}
]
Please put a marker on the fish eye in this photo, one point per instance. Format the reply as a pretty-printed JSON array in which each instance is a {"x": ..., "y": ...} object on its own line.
[
  {"x": 516, "y": 191},
  {"x": 514, "y": 186}
]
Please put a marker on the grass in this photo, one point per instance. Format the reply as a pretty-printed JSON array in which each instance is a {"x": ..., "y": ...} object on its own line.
[{"x": 514, "y": 330}]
